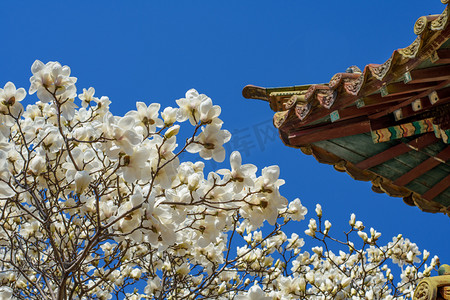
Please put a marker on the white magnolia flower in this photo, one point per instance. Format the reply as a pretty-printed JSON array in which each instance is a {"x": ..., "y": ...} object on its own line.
[
  {"x": 208, "y": 112},
  {"x": 121, "y": 133},
  {"x": 10, "y": 98},
  {"x": 82, "y": 181},
  {"x": 189, "y": 107},
  {"x": 210, "y": 142},
  {"x": 147, "y": 116},
  {"x": 169, "y": 115},
  {"x": 52, "y": 82},
  {"x": 296, "y": 210},
  {"x": 135, "y": 166},
  {"x": 268, "y": 182},
  {"x": 241, "y": 175},
  {"x": 87, "y": 97}
]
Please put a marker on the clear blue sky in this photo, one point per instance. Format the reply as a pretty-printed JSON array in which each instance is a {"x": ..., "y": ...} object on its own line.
[{"x": 156, "y": 50}]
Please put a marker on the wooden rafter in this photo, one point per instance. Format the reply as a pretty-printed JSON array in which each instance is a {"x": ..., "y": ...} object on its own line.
[
  {"x": 430, "y": 74},
  {"x": 410, "y": 100},
  {"x": 354, "y": 112},
  {"x": 400, "y": 88},
  {"x": 425, "y": 106},
  {"x": 376, "y": 99},
  {"x": 438, "y": 188},
  {"x": 424, "y": 167},
  {"x": 402, "y": 148}
]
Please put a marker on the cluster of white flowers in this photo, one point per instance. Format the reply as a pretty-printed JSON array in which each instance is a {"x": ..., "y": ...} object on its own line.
[{"x": 93, "y": 203}]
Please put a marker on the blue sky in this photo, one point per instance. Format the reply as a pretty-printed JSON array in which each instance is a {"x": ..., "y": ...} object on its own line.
[{"x": 154, "y": 51}]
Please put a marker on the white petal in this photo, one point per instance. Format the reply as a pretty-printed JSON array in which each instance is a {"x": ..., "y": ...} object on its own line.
[
  {"x": 20, "y": 94},
  {"x": 235, "y": 160},
  {"x": 37, "y": 66},
  {"x": 126, "y": 122},
  {"x": 9, "y": 89}
]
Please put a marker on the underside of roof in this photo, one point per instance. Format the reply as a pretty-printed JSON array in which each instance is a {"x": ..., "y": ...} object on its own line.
[{"x": 388, "y": 124}]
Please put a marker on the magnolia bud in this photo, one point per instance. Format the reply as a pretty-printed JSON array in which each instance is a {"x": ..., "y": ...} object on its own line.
[
  {"x": 327, "y": 226},
  {"x": 319, "y": 210},
  {"x": 352, "y": 220},
  {"x": 172, "y": 131},
  {"x": 363, "y": 235}
]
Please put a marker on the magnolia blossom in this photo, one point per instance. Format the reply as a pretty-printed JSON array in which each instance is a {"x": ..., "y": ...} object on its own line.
[
  {"x": 95, "y": 206},
  {"x": 87, "y": 97},
  {"x": 10, "y": 98},
  {"x": 52, "y": 81},
  {"x": 241, "y": 175},
  {"x": 146, "y": 116},
  {"x": 169, "y": 115},
  {"x": 209, "y": 143},
  {"x": 82, "y": 180}
]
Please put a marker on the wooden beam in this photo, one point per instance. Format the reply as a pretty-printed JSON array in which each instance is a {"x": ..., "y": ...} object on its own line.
[
  {"x": 377, "y": 99},
  {"x": 410, "y": 100},
  {"x": 401, "y": 88},
  {"x": 402, "y": 148},
  {"x": 426, "y": 105},
  {"x": 438, "y": 188},
  {"x": 330, "y": 131},
  {"x": 373, "y": 104},
  {"x": 354, "y": 112},
  {"x": 443, "y": 96},
  {"x": 423, "y": 167},
  {"x": 430, "y": 74},
  {"x": 444, "y": 56}
]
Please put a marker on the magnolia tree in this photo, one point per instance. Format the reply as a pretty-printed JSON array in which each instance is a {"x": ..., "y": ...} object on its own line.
[{"x": 97, "y": 206}]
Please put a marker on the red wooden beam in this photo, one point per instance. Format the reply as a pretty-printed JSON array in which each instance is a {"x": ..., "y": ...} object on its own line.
[
  {"x": 377, "y": 99},
  {"x": 443, "y": 96},
  {"x": 410, "y": 100},
  {"x": 438, "y": 188},
  {"x": 417, "y": 144},
  {"x": 426, "y": 105},
  {"x": 424, "y": 167},
  {"x": 444, "y": 56},
  {"x": 372, "y": 104},
  {"x": 354, "y": 112},
  {"x": 330, "y": 131},
  {"x": 430, "y": 74},
  {"x": 401, "y": 88}
]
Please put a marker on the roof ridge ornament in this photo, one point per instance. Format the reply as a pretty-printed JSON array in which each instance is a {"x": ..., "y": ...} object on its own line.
[
  {"x": 379, "y": 71},
  {"x": 423, "y": 23},
  {"x": 302, "y": 110},
  {"x": 412, "y": 50},
  {"x": 355, "y": 85},
  {"x": 294, "y": 100},
  {"x": 441, "y": 21},
  {"x": 279, "y": 118}
]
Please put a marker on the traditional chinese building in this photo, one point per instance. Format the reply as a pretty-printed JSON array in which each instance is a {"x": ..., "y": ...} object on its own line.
[{"x": 388, "y": 124}]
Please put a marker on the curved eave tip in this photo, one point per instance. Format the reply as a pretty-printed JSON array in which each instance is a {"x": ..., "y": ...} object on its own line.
[{"x": 254, "y": 92}]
